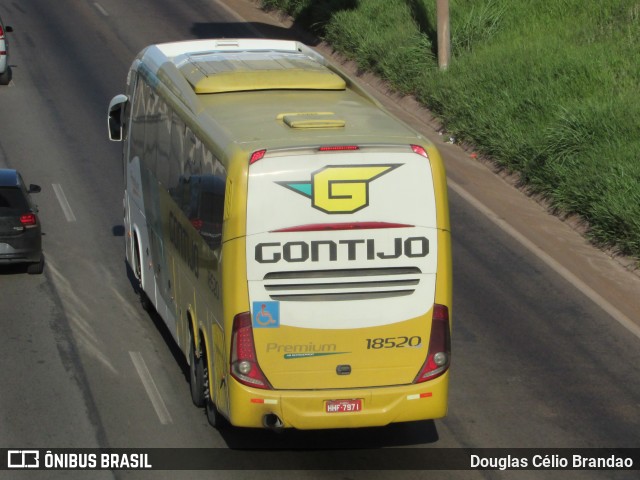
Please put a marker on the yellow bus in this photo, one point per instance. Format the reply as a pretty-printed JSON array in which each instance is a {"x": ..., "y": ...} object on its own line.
[{"x": 292, "y": 234}]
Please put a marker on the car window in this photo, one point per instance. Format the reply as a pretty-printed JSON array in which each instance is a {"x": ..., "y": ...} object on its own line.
[{"x": 12, "y": 198}]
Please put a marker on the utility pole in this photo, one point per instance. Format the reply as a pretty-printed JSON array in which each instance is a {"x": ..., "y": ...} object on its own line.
[{"x": 444, "y": 35}]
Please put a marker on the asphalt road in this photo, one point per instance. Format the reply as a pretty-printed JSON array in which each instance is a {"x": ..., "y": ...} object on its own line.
[{"x": 537, "y": 362}]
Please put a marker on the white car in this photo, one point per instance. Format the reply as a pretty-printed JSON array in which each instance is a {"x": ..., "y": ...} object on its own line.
[{"x": 5, "y": 69}]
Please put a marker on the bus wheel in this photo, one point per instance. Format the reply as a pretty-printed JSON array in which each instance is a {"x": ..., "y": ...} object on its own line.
[
  {"x": 144, "y": 299},
  {"x": 214, "y": 417},
  {"x": 196, "y": 375}
]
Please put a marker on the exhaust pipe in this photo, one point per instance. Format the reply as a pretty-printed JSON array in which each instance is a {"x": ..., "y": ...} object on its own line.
[{"x": 272, "y": 422}]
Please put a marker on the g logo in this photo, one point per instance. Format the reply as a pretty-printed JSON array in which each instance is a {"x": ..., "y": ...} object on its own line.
[{"x": 340, "y": 189}]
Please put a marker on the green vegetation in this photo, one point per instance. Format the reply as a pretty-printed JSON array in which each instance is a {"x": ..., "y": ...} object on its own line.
[{"x": 549, "y": 89}]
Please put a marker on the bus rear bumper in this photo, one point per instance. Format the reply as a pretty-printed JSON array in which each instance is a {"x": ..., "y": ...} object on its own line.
[{"x": 306, "y": 410}]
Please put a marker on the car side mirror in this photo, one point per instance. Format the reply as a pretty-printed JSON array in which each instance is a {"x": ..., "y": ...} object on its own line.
[
  {"x": 34, "y": 188},
  {"x": 8, "y": 28}
]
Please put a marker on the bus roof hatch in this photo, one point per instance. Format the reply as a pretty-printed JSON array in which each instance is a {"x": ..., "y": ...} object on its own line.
[{"x": 312, "y": 120}]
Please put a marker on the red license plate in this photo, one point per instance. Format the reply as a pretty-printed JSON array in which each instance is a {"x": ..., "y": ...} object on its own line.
[{"x": 343, "y": 406}]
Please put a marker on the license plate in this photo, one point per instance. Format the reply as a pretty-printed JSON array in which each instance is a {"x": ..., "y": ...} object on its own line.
[{"x": 343, "y": 406}]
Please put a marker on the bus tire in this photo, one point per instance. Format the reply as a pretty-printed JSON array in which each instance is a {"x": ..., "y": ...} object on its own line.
[
  {"x": 196, "y": 374},
  {"x": 145, "y": 301},
  {"x": 215, "y": 419}
]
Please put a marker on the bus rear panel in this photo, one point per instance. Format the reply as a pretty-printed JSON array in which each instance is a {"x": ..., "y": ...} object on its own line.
[{"x": 342, "y": 264}]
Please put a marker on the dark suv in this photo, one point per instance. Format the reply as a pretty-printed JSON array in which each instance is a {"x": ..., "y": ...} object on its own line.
[{"x": 20, "y": 231}]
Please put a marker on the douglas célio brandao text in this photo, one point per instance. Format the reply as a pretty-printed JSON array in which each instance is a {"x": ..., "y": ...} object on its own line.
[{"x": 550, "y": 461}]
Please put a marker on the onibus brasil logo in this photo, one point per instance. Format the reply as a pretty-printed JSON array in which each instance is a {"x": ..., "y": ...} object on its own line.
[{"x": 340, "y": 188}]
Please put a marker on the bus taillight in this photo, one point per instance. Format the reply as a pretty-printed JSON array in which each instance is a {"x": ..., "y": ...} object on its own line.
[
  {"x": 439, "y": 355},
  {"x": 420, "y": 151},
  {"x": 257, "y": 155},
  {"x": 244, "y": 362}
]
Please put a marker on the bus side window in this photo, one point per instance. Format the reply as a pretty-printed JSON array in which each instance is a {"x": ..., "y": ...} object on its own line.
[
  {"x": 164, "y": 145},
  {"x": 210, "y": 198},
  {"x": 138, "y": 118},
  {"x": 190, "y": 164},
  {"x": 207, "y": 200},
  {"x": 174, "y": 184},
  {"x": 151, "y": 129},
  {"x": 188, "y": 174}
]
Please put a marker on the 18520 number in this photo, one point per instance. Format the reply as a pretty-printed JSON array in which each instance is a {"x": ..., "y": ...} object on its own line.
[{"x": 393, "y": 342}]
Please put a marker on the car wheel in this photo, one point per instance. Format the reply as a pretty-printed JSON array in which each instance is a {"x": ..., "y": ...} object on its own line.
[
  {"x": 5, "y": 77},
  {"x": 196, "y": 375},
  {"x": 36, "y": 268}
]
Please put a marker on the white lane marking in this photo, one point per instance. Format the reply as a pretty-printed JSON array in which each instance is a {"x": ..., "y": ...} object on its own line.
[
  {"x": 66, "y": 208},
  {"x": 100, "y": 9},
  {"x": 150, "y": 386},
  {"x": 595, "y": 297}
]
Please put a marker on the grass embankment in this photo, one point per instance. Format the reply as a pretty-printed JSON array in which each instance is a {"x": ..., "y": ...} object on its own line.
[{"x": 549, "y": 89}]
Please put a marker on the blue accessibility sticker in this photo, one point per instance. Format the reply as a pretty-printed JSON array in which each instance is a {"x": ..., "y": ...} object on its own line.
[{"x": 266, "y": 314}]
